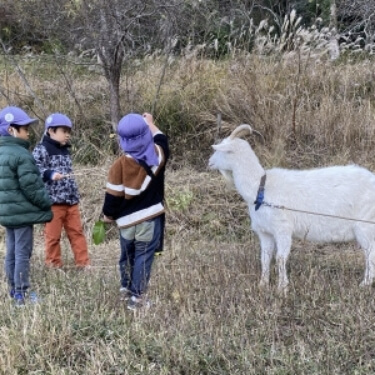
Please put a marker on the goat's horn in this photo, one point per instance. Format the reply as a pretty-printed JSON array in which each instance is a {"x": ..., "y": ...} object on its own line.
[
  {"x": 260, "y": 135},
  {"x": 240, "y": 130},
  {"x": 243, "y": 129}
]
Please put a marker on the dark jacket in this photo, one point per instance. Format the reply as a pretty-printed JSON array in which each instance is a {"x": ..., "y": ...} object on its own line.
[
  {"x": 23, "y": 198},
  {"x": 51, "y": 157}
]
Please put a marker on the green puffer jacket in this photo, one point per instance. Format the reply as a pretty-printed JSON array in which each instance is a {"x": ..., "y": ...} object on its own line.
[{"x": 23, "y": 198}]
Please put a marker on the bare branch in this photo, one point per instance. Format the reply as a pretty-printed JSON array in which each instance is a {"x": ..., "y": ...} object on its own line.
[{"x": 22, "y": 76}]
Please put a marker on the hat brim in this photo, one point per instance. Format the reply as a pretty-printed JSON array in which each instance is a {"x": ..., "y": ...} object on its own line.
[{"x": 24, "y": 122}]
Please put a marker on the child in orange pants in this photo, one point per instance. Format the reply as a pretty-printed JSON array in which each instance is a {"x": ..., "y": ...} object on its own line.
[{"x": 53, "y": 159}]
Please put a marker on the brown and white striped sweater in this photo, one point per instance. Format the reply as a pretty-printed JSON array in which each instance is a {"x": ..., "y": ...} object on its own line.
[{"x": 132, "y": 195}]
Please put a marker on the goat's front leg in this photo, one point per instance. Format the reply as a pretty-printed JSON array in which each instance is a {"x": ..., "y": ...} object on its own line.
[
  {"x": 283, "y": 244},
  {"x": 267, "y": 244}
]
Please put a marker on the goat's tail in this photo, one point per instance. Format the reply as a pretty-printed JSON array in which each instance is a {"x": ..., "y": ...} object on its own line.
[{"x": 242, "y": 130}]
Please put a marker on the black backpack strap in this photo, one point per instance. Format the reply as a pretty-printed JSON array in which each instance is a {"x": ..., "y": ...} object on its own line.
[
  {"x": 146, "y": 167},
  {"x": 160, "y": 247}
]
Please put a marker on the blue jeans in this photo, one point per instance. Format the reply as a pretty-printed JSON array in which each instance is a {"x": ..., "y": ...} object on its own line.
[
  {"x": 19, "y": 244},
  {"x": 138, "y": 244}
]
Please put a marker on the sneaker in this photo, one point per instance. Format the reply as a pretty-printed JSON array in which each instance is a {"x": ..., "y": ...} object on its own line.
[
  {"x": 33, "y": 298},
  {"x": 12, "y": 292},
  {"x": 124, "y": 293},
  {"x": 136, "y": 303},
  {"x": 19, "y": 299}
]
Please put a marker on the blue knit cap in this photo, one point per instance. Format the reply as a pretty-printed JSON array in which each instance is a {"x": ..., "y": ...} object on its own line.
[
  {"x": 13, "y": 116},
  {"x": 136, "y": 139}
]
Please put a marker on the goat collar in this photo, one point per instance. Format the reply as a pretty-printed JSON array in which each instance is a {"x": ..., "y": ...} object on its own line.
[{"x": 260, "y": 196}]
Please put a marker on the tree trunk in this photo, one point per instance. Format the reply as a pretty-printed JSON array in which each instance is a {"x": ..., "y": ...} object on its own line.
[
  {"x": 334, "y": 50},
  {"x": 114, "y": 98},
  {"x": 333, "y": 16},
  {"x": 113, "y": 76}
]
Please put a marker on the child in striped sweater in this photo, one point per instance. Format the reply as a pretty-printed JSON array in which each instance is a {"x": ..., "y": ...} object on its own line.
[{"x": 134, "y": 200}]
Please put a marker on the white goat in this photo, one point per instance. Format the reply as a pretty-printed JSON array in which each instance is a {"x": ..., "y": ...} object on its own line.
[{"x": 332, "y": 204}]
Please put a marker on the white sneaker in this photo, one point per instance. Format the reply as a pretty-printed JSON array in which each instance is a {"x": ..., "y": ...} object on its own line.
[
  {"x": 138, "y": 303},
  {"x": 33, "y": 298},
  {"x": 124, "y": 293}
]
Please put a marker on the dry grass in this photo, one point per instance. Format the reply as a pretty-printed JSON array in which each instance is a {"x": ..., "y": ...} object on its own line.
[
  {"x": 208, "y": 315},
  {"x": 313, "y": 111}
]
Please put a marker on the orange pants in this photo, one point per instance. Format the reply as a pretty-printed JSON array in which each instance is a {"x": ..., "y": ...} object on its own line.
[{"x": 69, "y": 218}]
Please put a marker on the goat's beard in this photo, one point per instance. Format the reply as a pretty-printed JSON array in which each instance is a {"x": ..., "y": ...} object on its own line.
[{"x": 228, "y": 176}]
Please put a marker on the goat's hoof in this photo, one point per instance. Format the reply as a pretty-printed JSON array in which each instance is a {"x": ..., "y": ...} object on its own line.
[
  {"x": 283, "y": 290},
  {"x": 366, "y": 283}
]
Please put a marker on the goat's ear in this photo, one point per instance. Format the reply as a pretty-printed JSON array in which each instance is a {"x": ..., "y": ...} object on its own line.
[{"x": 223, "y": 147}]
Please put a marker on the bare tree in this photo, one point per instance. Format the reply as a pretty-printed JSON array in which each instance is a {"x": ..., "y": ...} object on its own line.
[
  {"x": 357, "y": 17},
  {"x": 120, "y": 30}
]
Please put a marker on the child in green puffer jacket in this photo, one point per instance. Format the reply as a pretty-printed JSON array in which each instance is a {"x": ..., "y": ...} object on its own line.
[{"x": 23, "y": 200}]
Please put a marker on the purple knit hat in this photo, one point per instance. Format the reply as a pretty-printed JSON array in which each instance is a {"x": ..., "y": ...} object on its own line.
[{"x": 136, "y": 139}]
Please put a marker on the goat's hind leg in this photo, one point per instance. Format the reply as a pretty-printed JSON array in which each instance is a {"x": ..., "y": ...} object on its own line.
[
  {"x": 370, "y": 265},
  {"x": 367, "y": 242},
  {"x": 267, "y": 244}
]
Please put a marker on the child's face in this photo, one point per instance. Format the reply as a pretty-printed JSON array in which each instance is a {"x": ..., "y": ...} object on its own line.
[
  {"x": 22, "y": 133},
  {"x": 60, "y": 134}
]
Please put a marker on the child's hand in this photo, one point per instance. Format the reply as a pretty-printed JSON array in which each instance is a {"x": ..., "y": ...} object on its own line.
[
  {"x": 150, "y": 121},
  {"x": 57, "y": 176},
  {"x": 107, "y": 219},
  {"x": 148, "y": 117}
]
